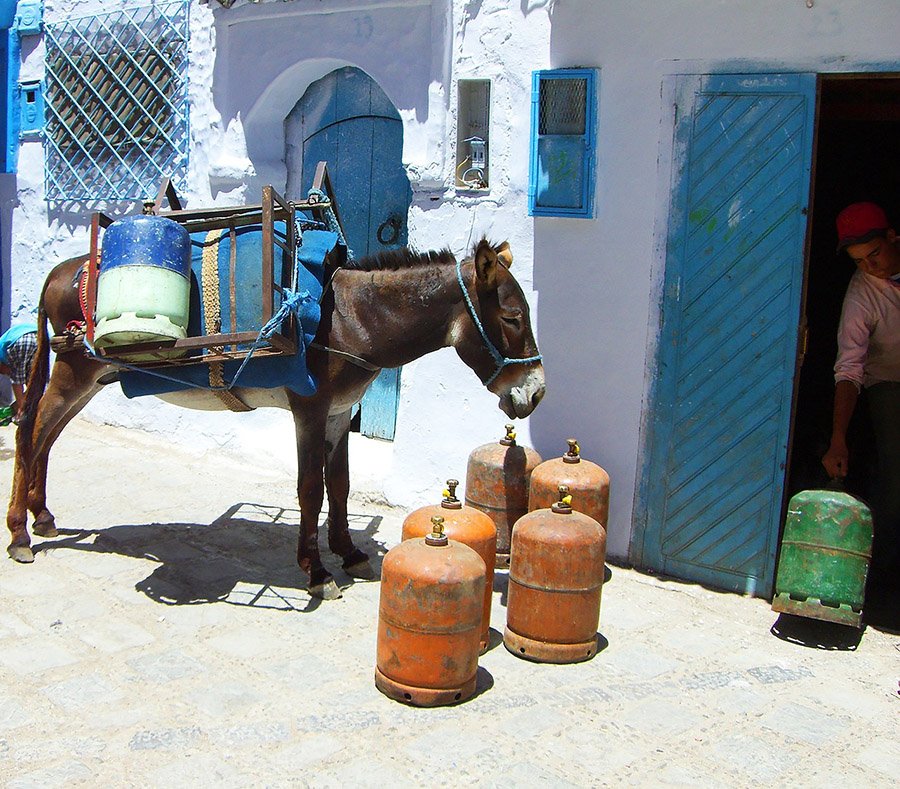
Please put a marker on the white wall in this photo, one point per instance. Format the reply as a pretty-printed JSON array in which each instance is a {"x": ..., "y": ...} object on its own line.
[
  {"x": 249, "y": 65},
  {"x": 598, "y": 281}
]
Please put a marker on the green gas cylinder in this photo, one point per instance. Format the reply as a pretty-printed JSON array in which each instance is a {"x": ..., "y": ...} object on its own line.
[{"x": 825, "y": 553}]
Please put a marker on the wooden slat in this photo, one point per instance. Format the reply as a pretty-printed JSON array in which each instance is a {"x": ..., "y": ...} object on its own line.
[{"x": 268, "y": 253}]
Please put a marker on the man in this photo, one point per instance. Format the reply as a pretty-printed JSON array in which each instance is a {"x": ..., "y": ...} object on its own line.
[
  {"x": 17, "y": 347},
  {"x": 869, "y": 357}
]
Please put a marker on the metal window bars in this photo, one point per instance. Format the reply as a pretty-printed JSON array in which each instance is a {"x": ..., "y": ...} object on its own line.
[{"x": 117, "y": 103}]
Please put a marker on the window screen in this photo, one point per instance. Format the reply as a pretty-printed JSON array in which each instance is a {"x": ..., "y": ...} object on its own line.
[
  {"x": 562, "y": 143},
  {"x": 116, "y": 103}
]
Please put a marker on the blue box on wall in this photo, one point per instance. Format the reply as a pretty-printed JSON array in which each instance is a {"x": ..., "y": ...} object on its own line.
[
  {"x": 29, "y": 16},
  {"x": 31, "y": 108}
]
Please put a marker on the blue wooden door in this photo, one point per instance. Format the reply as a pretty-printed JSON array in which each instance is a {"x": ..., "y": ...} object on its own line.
[
  {"x": 719, "y": 426},
  {"x": 351, "y": 124}
]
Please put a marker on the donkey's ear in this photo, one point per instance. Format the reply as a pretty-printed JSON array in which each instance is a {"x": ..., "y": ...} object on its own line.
[
  {"x": 505, "y": 254},
  {"x": 485, "y": 266}
]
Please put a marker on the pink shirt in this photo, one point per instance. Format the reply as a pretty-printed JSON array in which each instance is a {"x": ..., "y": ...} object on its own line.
[{"x": 869, "y": 332}]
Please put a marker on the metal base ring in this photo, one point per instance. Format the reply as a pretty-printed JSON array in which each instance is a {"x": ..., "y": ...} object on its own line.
[
  {"x": 423, "y": 697},
  {"x": 544, "y": 652}
]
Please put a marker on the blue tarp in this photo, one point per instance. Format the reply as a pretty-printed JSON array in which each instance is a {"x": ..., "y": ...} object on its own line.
[{"x": 265, "y": 371}]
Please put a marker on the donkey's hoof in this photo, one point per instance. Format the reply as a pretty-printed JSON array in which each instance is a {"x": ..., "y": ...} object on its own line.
[
  {"x": 362, "y": 570},
  {"x": 326, "y": 591},
  {"x": 21, "y": 553},
  {"x": 45, "y": 528}
]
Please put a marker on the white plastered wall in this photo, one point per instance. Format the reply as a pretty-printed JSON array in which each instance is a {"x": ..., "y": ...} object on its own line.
[{"x": 599, "y": 281}]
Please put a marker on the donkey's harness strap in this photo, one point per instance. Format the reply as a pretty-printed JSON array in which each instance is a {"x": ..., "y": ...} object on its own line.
[
  {"x": 358, "y": 361},
  {"x": 501, "y": 360}
]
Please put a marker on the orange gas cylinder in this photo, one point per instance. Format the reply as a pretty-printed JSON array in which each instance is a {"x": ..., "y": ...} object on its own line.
[
  {"x": 429, "y": 620},
  {"x": 470, "y": 527},
  {"x": 497, "y": 479},
  {"x": 587, "y": 482},
  {"x": 555, "y": 579}
]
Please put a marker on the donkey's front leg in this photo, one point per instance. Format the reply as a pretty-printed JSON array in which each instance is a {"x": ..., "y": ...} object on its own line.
[{"x": 337, "y": 482}]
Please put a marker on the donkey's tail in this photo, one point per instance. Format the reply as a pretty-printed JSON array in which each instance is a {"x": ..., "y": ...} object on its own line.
[{"x": 37, "y": 377}]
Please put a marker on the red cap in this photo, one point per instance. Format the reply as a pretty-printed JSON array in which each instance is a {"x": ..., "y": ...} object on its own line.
[{"x": 860, "y": 222}]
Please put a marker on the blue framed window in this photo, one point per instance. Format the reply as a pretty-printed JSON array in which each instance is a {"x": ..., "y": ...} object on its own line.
[
  {"x": 116, "y": 103},
  {"x": 563, "y": 137}
]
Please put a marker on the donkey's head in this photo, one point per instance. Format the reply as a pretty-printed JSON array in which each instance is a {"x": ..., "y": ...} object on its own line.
[{"x": 493, "y": 335}]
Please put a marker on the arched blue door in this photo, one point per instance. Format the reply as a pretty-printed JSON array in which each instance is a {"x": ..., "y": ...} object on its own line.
[{"x": 346, "y": 120}]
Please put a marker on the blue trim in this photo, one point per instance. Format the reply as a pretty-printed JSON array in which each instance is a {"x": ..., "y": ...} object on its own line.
[
  {"x": 9, "y": 50},
  {"x": 29, "y": 17},
  {"x": 582, "y": 146},
  {"x": 7, "y": 13}
]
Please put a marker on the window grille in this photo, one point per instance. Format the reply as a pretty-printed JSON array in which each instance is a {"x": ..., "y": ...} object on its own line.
[{"x": 116, "y": 103}]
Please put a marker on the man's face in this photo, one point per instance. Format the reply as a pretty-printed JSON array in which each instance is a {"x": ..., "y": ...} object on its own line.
[{"x": 878, "y": 257}]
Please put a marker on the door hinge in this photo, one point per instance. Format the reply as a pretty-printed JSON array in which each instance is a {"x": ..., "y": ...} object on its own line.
[{"x": 803, "y": 343}]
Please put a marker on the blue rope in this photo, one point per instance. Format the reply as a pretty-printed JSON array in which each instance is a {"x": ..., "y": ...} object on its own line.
[
  {"x": 501, "y": 360},
  {"x": 331, "y": 218}
]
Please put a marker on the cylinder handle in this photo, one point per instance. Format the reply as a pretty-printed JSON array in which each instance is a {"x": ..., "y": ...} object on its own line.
[
  {"x": 510, "y": 439},
  {"x": 574, "y": 453},
  {"x": 564, "y": 505},
  {"x": 450, "y": 501},
  {"x": 437, "y": 536}
]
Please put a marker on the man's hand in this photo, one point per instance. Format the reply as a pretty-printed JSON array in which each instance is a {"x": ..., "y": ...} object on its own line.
[{"x": 837, "y": 460}]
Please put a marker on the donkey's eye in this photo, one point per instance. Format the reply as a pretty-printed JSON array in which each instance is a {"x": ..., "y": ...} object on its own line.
[{"x": 512, "y": 318}]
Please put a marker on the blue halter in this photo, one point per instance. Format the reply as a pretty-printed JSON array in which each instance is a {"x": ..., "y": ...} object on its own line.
[{"x": 498, "y": 357}]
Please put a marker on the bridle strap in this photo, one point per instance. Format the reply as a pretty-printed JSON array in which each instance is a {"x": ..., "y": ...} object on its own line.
[{"x": 501, "y": 360}]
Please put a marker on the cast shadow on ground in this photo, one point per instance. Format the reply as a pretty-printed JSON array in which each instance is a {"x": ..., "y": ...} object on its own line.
[
  {"x": 816, "y": 634},
  {"x": 246, "y": 556}
]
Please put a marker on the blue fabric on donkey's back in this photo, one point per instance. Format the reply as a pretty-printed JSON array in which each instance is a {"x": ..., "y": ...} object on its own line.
[{"x": 264, "y": 371}]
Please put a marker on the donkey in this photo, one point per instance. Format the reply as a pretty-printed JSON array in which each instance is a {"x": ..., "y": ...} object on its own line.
[{"x": 380, "y": 311}]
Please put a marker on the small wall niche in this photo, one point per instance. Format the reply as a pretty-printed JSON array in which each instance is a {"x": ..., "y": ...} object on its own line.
[{"x": 473, "y": 134}]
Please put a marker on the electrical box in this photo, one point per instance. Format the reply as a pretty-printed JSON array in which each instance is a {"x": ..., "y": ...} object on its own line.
[
  {"x": 29, "y": 17},
  {"x": 473, "y": 134},
  {"x": 31, "y": 108}
]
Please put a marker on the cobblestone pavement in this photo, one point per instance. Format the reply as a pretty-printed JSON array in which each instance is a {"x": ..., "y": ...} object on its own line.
[{"x": 166, "y": 639}]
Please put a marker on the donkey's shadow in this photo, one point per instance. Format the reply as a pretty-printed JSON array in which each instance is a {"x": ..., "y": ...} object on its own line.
[{"x": 246, "y": 556}]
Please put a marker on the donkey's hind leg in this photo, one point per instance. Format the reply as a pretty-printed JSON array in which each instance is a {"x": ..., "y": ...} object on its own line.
[
  {"x": 71, "y": 387},
  {"x": 44, "y": 522}
]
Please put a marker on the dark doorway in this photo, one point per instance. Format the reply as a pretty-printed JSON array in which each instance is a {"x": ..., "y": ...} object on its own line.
[{"x": 856, "y": 159}]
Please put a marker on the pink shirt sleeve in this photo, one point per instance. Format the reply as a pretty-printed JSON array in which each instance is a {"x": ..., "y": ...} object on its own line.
[{"x": 853, "y": 341}]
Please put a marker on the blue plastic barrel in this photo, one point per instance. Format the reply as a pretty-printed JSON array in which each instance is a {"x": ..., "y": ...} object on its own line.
[{"x": 143, "y": 288}]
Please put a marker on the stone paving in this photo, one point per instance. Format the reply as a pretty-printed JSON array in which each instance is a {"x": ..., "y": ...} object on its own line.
[{"x": 166, "y": 639}]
